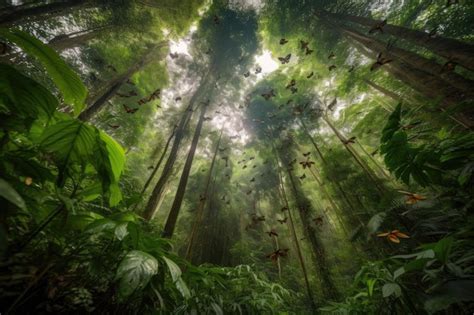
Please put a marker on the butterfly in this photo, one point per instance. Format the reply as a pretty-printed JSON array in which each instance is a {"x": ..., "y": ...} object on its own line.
[
  {"x": 448, "y": 66},
  {"x": 332, "y": 55},
  {"x": 244, "y": 167},
  {"x": 208, "y": 51},
  {"x": 207, "y": 118},
  {"x": 272, "y": 232},
  {"x": 293, "y": 90},
  {"x": 113, "y": 126},
  {"x": 292, "y": 162},
  {"x": 177, "y": 99},
  {"x": 129, "y": 110},
  {"x": 304, "y": 45},
  {"x": 291, "y": 84},
  {"x": 282, "y": 220},
  {"x": 332, "y": 104},
  {"x": 393, "y": 236},
  {"x": 216, "y": 20},
  {"x": 274, "y": 256},
  {"x": 375, "y": 152},
  {"x": 412, "y": 198},
  {"x": 307, "y": 163},
  {"x": 258, "y": 70},
  {"x": 269, "y": 94},
  {"x": 309, "y": 76},
  {"x": 352, "y": 68},
  {"x": 151, "y": 167},
  {"x": 378, "y": 27},
  {"x": 247, "y": 74},
  {"x": 226, "y": 159},
  {"x": 252, "y": 180},
  {"x": 332, "y": 67},
  {"x": 285, "y": 208},
  {"x": 350, "y": 140},
  {"x": 308, "y": 51},
  {"x": 174, "y": 55},
  {"x": 302, "y": 176},
  {"x": 285, "y": 59},
  {"x": 380, "y": 62},
  {"x": 202, "y": 198},
  {"x": 318, "y": 220},
  {"x": 306, "y": 154},
  {"x": 283, "y": 41}
]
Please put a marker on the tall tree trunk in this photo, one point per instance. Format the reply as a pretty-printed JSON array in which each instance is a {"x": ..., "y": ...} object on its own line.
[
  {"x": 178, "y": 199},
  {"x": 319, "y": 256},
  {"x": 281, "y": 190},
  {"x": 383, "y": 90},
  {"x": 202, "y": 203},
  {"x": 168, "y": 168},
  {"x": 436, "y": 70},
  {"x": 451, "y": 49},
  {"x": 365, "y": 168},
  {"x": 35, "y": 13},
  {"x": 75, "y": 39},
  {"x": 331, "y": 177},
  {"x": 113, "y": 86}
]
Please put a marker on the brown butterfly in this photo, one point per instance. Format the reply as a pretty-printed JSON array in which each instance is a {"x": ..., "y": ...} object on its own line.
[
  {"x": 302, "y": 176},
  {"x": 207, "y": 118},
  {"x": 129, "y": 110},
  {"x": 378, "y": 27},
  {"x": 306, "y": 154},
  {"x": 258, "y": 70},
  {"x": 285, "y": 208},
  {"x": 308, "y": 51},
  {"x": 307, "y": 163},
  {"x": 393, "y": 236},
  {"x": 174, "y": 55},
  {"x": 332, "y": 55},
  {"x": 303, "y": 45},
  {"x": 151, "y": 167},
  {"x": 350, "y": 140},
  {"x": 318, "y": 220},
  {"x": 177, "y": 99},
  {"x": 309, "y": 76},
  {"x": 282, "y": 220},
  {"x": 285, "y": 59},
  {"x": 244, "y": 167},
  {"x": 202, "y": 198},
  {"x": 283, "y": 41},
  {"x": 269, "y": 94},
  {"x": 380, "y": 62},
  {"x": 216, "y": 20},
  {"x": 292, "y": 83},
  {"x": 332, "y": 104},
  {"x": 293, "y": 90},
  {"x": 272, "y": 232},
  {"x": 449, "y": 66},
  {"x": 113, "y": 126},
  {"x": 274, "y": 256},
  {"x": 412, "y": 198},
  {"x": 332, "y": 67},
  {"x": 249, "y": 192},
  {"x": 247, "y": 74}
]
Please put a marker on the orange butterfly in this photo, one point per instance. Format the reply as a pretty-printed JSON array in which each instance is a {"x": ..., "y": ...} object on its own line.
[{"x": 393, "y": 236}]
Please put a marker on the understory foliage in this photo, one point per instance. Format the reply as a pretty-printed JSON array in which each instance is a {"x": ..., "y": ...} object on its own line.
[{"x": 237, "y": 157}]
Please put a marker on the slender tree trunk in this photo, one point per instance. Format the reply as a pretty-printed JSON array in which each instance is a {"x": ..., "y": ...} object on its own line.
[
  {"x": 365, "y": 168},
  {"x": 35, "y": 13},
  {"x": 383, "y": 90},
  {"x": 167, "y": 169},
  {"x": 72, "y": 40},
  {"x": 202, "y": 203},
  {"x": 178, "y": 199},
  {"x": 304, "y": 208},
  {"x": 112, "y": 87},
  {"x": 281, "y": 189},
  {"x": 451, "y": 49}
]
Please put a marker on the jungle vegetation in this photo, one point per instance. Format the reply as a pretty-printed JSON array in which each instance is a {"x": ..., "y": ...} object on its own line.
[{"x": 236, "y": 157}]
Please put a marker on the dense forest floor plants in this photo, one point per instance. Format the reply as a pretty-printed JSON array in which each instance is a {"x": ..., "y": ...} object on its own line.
[{"x": 236, "y": 157}]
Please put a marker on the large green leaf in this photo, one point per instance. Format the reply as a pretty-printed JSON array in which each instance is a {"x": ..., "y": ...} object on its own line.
[
  {"x": 175, "y": 272},
  {"x": 135, "y": 271},
  {"x": 73, "y": 90},
  {"x": 10, "y": 194},
  {"x": 23, "y": 98}
]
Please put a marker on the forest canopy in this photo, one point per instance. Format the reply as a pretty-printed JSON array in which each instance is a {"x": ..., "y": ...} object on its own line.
[{"x": 236, "y": 157}]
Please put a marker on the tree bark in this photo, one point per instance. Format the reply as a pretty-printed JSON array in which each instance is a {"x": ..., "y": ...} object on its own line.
[
  {"x": 328, "y": 288},
  {"x": 202, "y": 203},
  {"x": 35, "y": 13},
  {"x": 178, "y": 199},
  {"x": 451, "y": 49},
  {"x": 167, "y": 169},
  {"x": 113, "y": 86},
  {"x": 383, "y": 90},
  {"x": 72, "y": 40}
]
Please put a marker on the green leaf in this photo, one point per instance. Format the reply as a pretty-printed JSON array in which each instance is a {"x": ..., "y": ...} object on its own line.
[
  {"x": 370, "y": 286},
  {"x": 23, "y": 98},
  {"x": 135, "y": 271},
  {"x": 121, "y": 231},
  {"x": 175, "y": 272},
  {"x": 375, "y": 222},
  {"x": 10, "y": 194},
  {"x": 449, "y": 293},
  {"x": 391, "y": 289},
  {"x": 73, "y": 90},
  {"x": 443, "y": 248}
]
